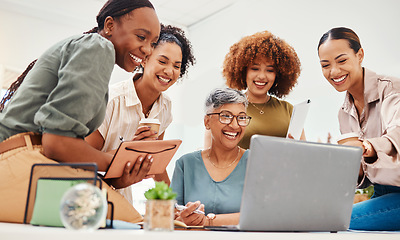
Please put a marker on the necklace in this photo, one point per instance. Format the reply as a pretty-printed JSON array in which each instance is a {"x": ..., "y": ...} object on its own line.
[
  {"x": 261, "y": 110},
  {"x": 230, "y": 164},
  {"x": 147, "y": 112}
]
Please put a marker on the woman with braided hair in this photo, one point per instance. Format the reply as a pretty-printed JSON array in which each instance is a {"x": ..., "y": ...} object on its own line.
[
  {"x": 63, "y": 99},
  {"x": 143, "y": 96}
]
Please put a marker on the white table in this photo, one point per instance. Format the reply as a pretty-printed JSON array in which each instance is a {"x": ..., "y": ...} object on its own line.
[{"x": 29, "y": 232}]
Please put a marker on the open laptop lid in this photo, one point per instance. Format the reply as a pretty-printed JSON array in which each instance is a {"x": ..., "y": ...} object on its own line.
[{"x": 295, "y": 185}]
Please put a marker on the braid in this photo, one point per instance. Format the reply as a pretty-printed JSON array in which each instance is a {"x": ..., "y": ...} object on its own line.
[
  {"x": 15, "y": 85},
  {"x": 93, "y": 30}
]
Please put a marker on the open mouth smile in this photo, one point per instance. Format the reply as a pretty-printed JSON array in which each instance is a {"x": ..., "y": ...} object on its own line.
[
  {"x": 136, "y": 59},
  {"x": 261, "y": 84},
  {"x": 231, "y": 135},
  {"x": 340, "y": 79},
  {"x": 163, "y": 79}
]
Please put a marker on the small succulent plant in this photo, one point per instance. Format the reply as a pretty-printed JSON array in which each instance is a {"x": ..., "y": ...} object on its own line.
[{"x": 160, "y": 191}]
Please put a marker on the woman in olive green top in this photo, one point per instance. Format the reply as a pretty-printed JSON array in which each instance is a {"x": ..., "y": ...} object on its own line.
[{"x": 267, "y": 68}]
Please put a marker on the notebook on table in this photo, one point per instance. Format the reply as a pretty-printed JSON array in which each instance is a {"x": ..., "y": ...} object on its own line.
[{"x": 295, "y": 185}]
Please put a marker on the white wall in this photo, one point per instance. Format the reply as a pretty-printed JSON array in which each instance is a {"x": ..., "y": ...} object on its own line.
[{"x": 301, "y": 23}]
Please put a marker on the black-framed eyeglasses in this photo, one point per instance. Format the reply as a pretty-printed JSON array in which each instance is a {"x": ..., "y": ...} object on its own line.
[{"x": 226, "y": 117}]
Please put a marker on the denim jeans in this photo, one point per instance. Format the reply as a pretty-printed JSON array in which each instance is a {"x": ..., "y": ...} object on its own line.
[{"x": 380, "y": 213}]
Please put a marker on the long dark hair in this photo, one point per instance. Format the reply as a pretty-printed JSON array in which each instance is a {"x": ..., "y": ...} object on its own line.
[
  {"x": 342, "y": 33},
  {"x": 112, "y": 8}
]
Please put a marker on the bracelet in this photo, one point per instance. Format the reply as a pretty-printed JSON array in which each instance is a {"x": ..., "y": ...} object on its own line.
[{"x": 211, "y": 217}]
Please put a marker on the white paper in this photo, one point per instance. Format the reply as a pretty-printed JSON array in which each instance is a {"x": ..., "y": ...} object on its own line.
[{"x": 298, "y": 119}]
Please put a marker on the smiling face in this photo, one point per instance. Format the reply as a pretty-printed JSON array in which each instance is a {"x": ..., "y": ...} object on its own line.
[
  {"x": 341, "y": 66},
  {"x": 163, "y": 67},
  {"x": 260, "y": 77},
  {"x": 226, "y": 136},
  {"x": 134, "y": 36}
]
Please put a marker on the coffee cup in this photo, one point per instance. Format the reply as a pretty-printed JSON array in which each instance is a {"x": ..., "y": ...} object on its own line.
[
  {"x": 347, "y": 137},
  {"x": 154, "y": 125}
]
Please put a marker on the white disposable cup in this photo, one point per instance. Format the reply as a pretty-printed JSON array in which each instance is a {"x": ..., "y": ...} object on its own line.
[
  {"x": 153, "y": 123},
  {"x": 347, "y": 137}
]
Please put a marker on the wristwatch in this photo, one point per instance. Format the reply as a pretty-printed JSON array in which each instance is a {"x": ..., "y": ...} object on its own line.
[{"x": 211, "y": 217}]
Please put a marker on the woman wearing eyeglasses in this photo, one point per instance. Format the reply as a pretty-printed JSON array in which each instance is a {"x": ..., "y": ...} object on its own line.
[{"x": 211, "y": 180}]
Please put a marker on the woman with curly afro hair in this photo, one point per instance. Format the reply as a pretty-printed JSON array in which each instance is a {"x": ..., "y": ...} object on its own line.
[
  {"x": 267, "y": 68},
  {"x": 142, "y": 97}
]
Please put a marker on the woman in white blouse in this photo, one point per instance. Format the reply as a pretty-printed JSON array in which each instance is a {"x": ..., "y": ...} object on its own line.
[{"x": 143, "y": 97}]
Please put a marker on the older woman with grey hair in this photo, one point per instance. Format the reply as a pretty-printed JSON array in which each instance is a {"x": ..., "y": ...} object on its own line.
[{"x": 210, "y": 182}]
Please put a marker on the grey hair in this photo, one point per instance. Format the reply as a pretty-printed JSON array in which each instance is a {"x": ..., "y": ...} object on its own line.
[{"x": 221, "y": 96}]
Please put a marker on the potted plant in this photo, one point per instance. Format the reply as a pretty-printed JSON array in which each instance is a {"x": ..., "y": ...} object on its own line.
[
  {"x": 363, "y": 194},
  {"x": 159, "y": 208}
]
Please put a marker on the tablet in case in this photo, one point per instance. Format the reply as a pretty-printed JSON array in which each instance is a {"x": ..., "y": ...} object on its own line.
[{"x": 161, "y": 150}]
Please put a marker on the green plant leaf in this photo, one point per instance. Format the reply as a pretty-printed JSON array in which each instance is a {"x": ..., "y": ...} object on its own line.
[{"x": 160, "y": 191}]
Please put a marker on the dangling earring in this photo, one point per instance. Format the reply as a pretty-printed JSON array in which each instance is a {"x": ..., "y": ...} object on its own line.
[{"x": 137, "y": 72}]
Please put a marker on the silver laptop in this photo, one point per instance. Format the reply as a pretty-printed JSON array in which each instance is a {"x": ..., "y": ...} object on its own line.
[{"x": 295, "y": 185}]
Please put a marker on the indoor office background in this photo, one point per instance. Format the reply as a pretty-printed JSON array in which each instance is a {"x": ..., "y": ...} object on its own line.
[{"x": 29, "y": 27}]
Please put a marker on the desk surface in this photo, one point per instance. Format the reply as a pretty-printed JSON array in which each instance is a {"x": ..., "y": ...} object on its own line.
[{"x": 21, "y": 231}]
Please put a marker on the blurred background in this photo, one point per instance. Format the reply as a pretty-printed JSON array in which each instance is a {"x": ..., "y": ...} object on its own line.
[{"x": 29, "y": 27}]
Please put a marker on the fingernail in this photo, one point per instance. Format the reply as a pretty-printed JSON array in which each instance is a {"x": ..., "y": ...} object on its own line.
[
  {"x": 128, "y": 164},
  {"x": 140, "y": 158},
  {"x": 155, "y": 132},
  {"x": 151, "y": 160}
]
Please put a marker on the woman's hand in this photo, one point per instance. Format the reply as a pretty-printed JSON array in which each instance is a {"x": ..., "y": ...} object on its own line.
[
  {"x": 355, "y": 143},
  {"x": 369, "y": 150},
  {"x": 189, "y": 217},
  {"x": 144, "y": 133},
  {"x": 133, "y": 173}
]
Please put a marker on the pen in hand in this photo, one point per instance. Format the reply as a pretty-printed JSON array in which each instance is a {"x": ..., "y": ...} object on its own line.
[{"x": 181, "y": 208}]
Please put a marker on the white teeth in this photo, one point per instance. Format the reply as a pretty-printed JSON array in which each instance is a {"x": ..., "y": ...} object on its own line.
[
  {"x": 136, "y": 59},
  {"x": 231, "y": 134},
  {"x": 339, "y": 79},
  {"x": 164, "y": 79},
  {"x": 260, "y": 83}
]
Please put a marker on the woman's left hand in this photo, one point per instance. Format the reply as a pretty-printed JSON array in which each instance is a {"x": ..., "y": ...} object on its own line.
[
  {"x": 133, "y": 173},
  {"x": 189, "y": 217}
]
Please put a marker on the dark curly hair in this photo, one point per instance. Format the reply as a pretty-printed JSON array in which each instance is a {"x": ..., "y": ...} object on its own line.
[
  {"x": 176, "y": 35},
  {"x": 262, "y": 44}
]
